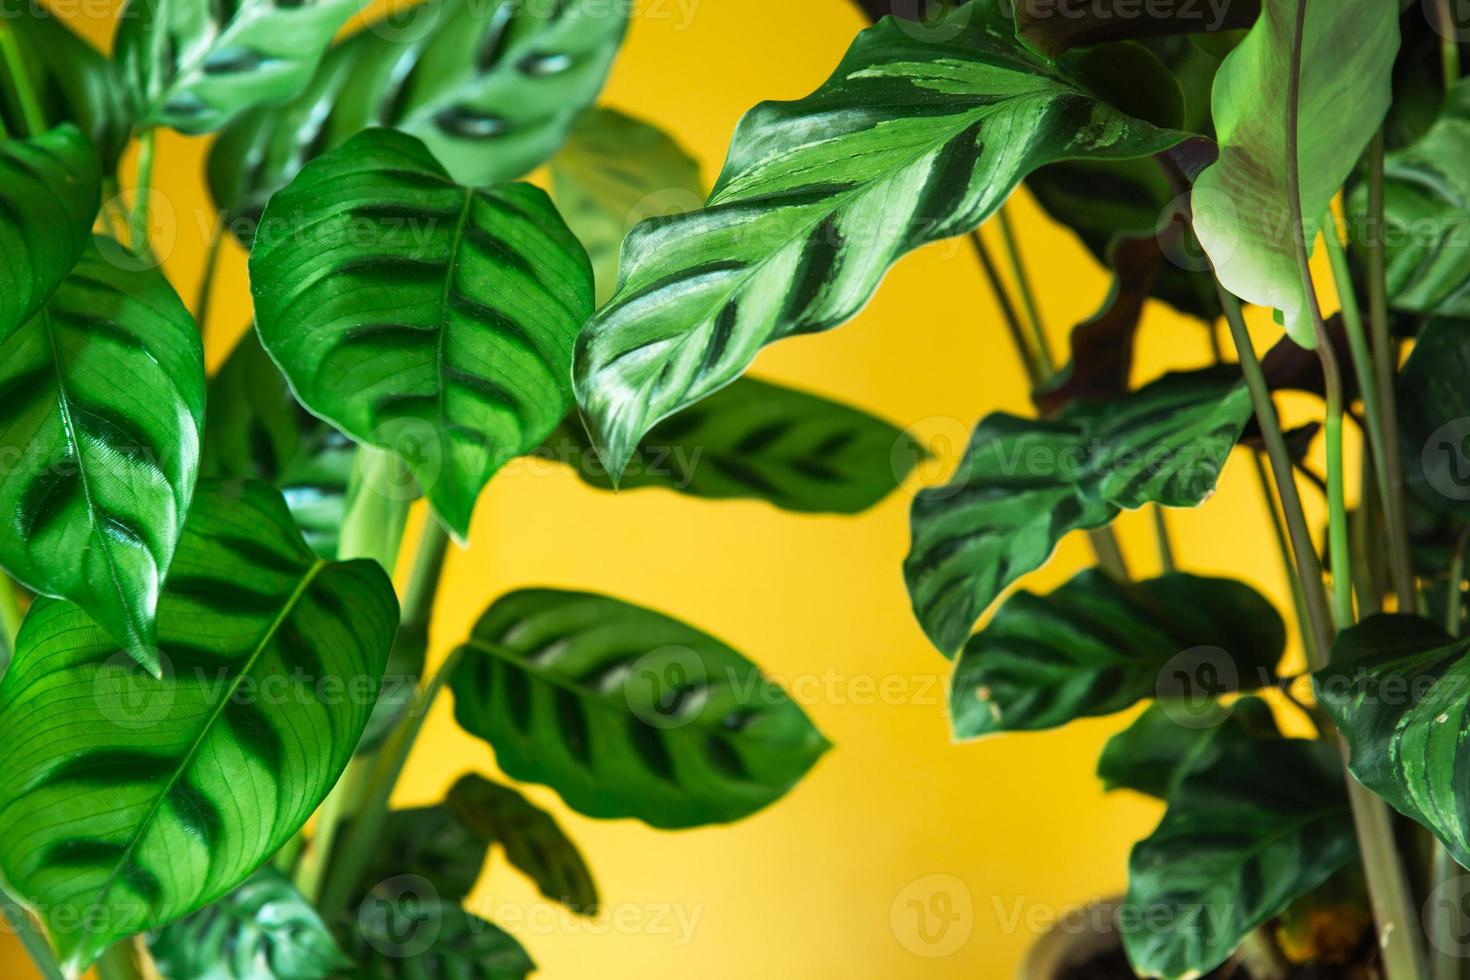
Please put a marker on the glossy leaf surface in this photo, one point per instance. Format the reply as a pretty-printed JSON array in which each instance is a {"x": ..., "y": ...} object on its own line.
[{"x": 1171, "y": 740}]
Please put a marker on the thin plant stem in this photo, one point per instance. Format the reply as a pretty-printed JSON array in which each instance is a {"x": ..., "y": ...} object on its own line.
[
  {"x": 1288, "y": 565},
  {"x": 1034, "y": 371},
  {"x": 316, "y": 854},
  {"x": 119, "y": 962},
  {"x": 1028, "y": 298},
  {"x": 206, "y": 284},
  {"x": 10, "y": 614},
  {"x": 31, "y": 938},
  {"x": 1444, "y": 964},
  {"x": 139, "y": 222},
  {"x": 1161, "y": 535},
  {"x": 25, "y": 92},
  {"x": 424, "y": 577},
  {"x": 1449, "y": 44}
]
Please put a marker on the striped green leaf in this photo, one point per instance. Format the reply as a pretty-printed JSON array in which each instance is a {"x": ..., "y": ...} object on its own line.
[
  {"x": 105, "y": 389},
  {"x": 420, "y": 316},
  {"x": 1096, "y": 646},
  {"x": 761, "y": 441},
  {"x": 404, "y": 932},
  {"x": 491, "y": 86},
  {"x": 626, "y": 712},
  {"x": 430, "y": 843},
  {"x": 531, "y": 838},
  {"x": 263, "y": 930},
  {"x": 1395, "y": 688},
  {"x": 195, "y": 66},
  {"x": 1024, "y": 483},
  {"x": 147, "y": 799},
  {"x": 917, "y": 136},
  {"x": 1173, "y": 739},
  {"x": 1432, "y": 403},
  {"x": 49, "y": 190},
  {"x": 255, "y": 429},
  {"x": 1265, "y": 824}
]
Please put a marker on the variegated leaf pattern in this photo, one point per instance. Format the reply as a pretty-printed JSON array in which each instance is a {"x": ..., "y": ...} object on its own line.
[
  {"x": 50, "y": 188},
  {"x": 626, "y": 712},
  {"x": 430, "y": 843},
  {"x": 421, "y": 316},
  {"x": 104, "y": 387},
  {"x": 914, "y": 138},
  {"x": 532, "y": 839},
  {"x": 761, "y": 441},
  {"x": 195, "y": 66},
  {"x": 404, "y": 932},
  {"x": 148, "y": 799},
  {"x": 1024, "y": 483},
  {"x": 491, "y": 86}
]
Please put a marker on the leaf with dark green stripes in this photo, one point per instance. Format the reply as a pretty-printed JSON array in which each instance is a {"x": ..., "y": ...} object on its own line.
[
  {"x": 1395, "y": 687},
  {"x": 614, "y": 172},
  {"x": 1024, "y": 483},
  {"x": 104, "y": 387},
  {"x": 404, "y": 932},
  {"x": 1433, "y": 403},
  {"x": 429, "y": 842},
  {"x": 491, "y": 86},
  {"x": 531, "y": 838},
  {"x": 628, "y": 713},
  {"x": 147, "y": 799},
  {"x": 263, "y": 930},
  {"x": 420, "y": 316},
  {"x": 1173, "y": 739},
  {"x": 1096, "y": 646},
  {"x": 195, "y": 66},
  {"x": 912, "y": 139},
  {"x": 49, "y": 191},
  {"x": 1263, "y": 825},
  {"x": 255, "y": 429},
  {"x": 762, "y": 441}
]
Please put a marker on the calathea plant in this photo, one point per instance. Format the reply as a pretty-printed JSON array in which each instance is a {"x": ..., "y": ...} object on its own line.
[{"x": 1204, "y": 161}]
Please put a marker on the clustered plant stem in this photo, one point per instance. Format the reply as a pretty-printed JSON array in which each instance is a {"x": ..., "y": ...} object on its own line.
[
  {"x": 206, "y": 283},
  {"x": 25, "y": 92},
  {"x": 140, "y": 218}
]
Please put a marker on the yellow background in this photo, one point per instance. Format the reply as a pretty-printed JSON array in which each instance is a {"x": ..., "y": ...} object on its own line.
[{"x": 817, "y": 885}]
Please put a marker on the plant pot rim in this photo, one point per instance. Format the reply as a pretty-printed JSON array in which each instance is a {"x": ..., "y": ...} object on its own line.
[{"x": 1061, "y": 947}]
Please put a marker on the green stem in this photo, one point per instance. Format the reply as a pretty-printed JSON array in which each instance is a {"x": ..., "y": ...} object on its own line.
[
  {"x": 10, "y": 614},
  {"x": 311, "y": 872},
  {"x": 206, "y": 284},
  {"x": 1035, "y": 373},
  {"x": 1449, "y": 44},
  {"x": 377, "y": 509},
  {"x": 1338, "y": 546},
  {"x": 31, "y": 938},
  {"x": 119, "y": 962},
  {"x": 1161, "y": 535},
  {"x": 1288, "y": 564},
  {"x": 424, "y": 577},
  {"x": 1028, "y": 298},
  {"x": 15, "y": 66},
  {"x": 141, "y": 192}
]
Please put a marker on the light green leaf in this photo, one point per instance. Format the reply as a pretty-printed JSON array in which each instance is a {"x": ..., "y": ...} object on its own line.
[
  {"x": 1096, "y": 646},
  {"x": 628, "y": 713},
  {"x": 419, "y": 316},
  {"x": 762, "y": 441},
  {"x": 1265, "y": 824},
  {"x": 490, "y": 86},
  {"x": 614, "y": 172},
  {"x": 404, "y": 932},
  {"x": 1024, "y": 483},
  {"x": 263, "y": 930},
  {"x": 148, "y": 799},
  {"x": 911, "y": 140},
  {"x": 49, "y": 191},
  {"x": 195, "y": 66},
  {"x": 531, "y": 838},
  {"x": 1171, "y": 740},
  {"x": 105, "y": 389},
  {"x": 1242, "y": 205}
]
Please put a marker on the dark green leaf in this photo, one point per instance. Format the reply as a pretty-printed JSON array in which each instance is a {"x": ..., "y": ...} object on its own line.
[
  {"x": 901, "y": 146},
  {"x": 531, "y": 837},
  {"x": 263, "y": 930},
  {"x": 420, "y": 316},
  {"x": 1395, "y": 686},
  {"x": 404, "y": 932},
  {"x": 1434, "y": 418},
  {"x": 49, "y": 190},
  {"x": 491, "y": 86},
  {"x": 255, "y": 429},
  {"x": 1096, "y": 646},
  {"x": 1264, "y": 824},
  {"x": 430, "y": 843},
  {"x": 762, "y": 441},
  {"x": 195, "y": 66},
  {"x": 105, "y": 390},
  {"x": 1053, "y": 27},
  {"x": 148, "y": 799},
  {"x": 1024, "y": 483},
  {"x": 628, "y": 713},
  {"x": 1173, "y": 739}
]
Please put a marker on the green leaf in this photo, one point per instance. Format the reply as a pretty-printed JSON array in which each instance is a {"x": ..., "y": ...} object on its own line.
[
  {"x": 1096, "y": 646},
  {"x": 1433, "y": 405},
  {"x": 49, "y": 190},
  {"x": 430, "y": 843},
  {"x": 1242, "y": 205},
  {"x": 491, "y": 86},
  {"x": 1266, "y": 823},
  {"x": 105, "y": 389},
  {"x": 1059, "y": 26},
  {"x": 195, "y": 66},
  {"x": 912, "y": 139},
  {"x": 628, "y": 713},
  {"x": 1174, "y": 739},
  {"x": 762, "y": 441},
  {"x": 404, "y": 932},
  {"x": 144, "y": 800},
  {"x": 531, "y": 837},
  {"x": 255, "y": 429},
  {"x": 420, "y": 316},
  {"x": 1395, "y": 687},
  {"x": 72, "y": 80},
  {"x": 1024, "y": 483},
  {"x": 263, "y": 930},
  {"x": 614, "y": 172}
]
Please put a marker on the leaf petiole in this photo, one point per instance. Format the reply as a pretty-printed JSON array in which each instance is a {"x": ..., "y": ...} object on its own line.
[{"x": 25, "y": 91}]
